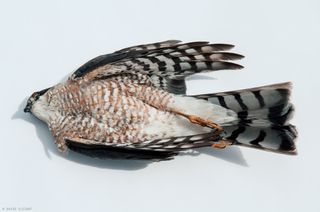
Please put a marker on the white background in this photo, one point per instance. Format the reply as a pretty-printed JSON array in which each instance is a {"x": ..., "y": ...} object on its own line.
[{"x": 43, "y": 41}]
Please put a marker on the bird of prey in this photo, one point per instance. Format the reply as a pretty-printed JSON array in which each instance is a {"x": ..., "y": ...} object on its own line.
[{"x": 132, "y": 104}]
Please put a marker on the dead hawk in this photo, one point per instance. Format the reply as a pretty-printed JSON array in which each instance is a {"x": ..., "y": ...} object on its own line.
[{"x": 132, "y": 104}]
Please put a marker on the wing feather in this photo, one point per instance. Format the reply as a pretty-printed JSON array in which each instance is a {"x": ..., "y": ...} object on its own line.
[
  {"x": 167, "y": 63},
  {"x": 159, "y": 149},
  {"x": 150, "y": 46}
]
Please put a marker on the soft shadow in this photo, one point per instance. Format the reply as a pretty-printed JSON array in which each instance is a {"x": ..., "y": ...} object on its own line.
[
  {"x": 230, "y": 154},
  {"x": 40, "y": 127}
]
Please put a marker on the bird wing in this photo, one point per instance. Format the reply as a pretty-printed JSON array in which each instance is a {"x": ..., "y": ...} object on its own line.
[
  {"x": 166, "y": 63},
  {"x": 159, "y": 149}
]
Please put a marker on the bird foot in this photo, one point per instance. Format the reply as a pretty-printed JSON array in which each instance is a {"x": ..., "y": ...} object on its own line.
[
  {"x": 221, "y": 144},
  {"x": 200, "y": 121},
  {"x": 205, "y": 123}
]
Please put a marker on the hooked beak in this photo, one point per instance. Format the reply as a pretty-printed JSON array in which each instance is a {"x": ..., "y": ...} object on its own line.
[
  {"x": 27, "y": 109},
  {"x": 34, "y": 97}
]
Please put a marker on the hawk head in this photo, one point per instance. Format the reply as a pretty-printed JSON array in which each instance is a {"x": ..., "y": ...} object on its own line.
[{"x": 33, "y": 98}]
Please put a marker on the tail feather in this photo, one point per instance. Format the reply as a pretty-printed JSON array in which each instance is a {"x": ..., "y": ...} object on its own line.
[
  {"x": 274, "y": 116},
  {"x": 260, "y": 106},
  {"x": 276, "y": 139},
  {"x": 263, "y": 117},
  {"x": 251, "y": 99}
]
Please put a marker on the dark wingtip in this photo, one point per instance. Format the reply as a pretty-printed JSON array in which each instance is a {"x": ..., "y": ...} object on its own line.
[
  {"x": 221, "y": 46},
  {"x": 240, "y": 66},
  {"x": 234, "y": 66},
  {"x": 233, "y": 56}
]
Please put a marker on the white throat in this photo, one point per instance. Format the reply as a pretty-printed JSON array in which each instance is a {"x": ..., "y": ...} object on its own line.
[{"x": 42, "y": 110}]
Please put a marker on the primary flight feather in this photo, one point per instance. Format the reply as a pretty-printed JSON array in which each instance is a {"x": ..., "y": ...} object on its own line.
[{"x": 132, "y": 104}]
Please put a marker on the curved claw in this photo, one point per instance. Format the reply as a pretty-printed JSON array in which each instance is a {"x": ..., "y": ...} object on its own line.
[{"x": 221, "y": 144}]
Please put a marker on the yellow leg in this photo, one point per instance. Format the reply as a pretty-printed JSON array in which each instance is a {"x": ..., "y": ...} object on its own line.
[
  {"x": 195, "y": 119},
  {"x": 198, "y": 120},
  {"x": 223, "y": 143}
]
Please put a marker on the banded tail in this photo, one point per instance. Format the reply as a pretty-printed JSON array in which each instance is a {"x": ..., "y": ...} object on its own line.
[{"x": 264, "y": 114}]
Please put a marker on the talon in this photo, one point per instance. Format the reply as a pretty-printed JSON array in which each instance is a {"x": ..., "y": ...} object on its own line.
[
  {"x": 206, "y": 123},
  {"x": 221, "y": 144},
  {"x": 198, "y": 120}
]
